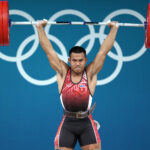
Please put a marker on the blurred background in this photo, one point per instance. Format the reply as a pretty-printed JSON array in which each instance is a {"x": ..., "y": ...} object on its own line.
[{"x": 30, "y": 107}]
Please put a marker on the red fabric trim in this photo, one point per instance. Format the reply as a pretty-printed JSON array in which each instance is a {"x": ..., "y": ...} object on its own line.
[
  {"x": 58, "y": 133},
  {"x": 95, "y": 129}
]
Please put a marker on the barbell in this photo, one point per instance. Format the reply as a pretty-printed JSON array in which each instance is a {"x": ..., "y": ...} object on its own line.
[{"x": 6, "y": 23}]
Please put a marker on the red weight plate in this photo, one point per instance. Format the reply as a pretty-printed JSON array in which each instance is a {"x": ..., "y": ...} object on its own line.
[
  {"x": 5, "y": 23},
  {"x": 1, "y": 23},
  {"x": 147, "y": 30}
]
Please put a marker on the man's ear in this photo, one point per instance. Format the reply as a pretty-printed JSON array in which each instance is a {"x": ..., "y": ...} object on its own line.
[
  {"x": 86, "y": 60},
  {"x": 69, "y": 59}
]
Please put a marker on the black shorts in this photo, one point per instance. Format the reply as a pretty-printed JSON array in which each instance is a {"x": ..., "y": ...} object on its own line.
[{"x": 70, "y": 130}]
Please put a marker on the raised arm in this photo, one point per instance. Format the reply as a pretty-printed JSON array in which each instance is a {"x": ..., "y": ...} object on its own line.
[
  {"x": 57, "y": 64},
  {"x": 96, "y": 65}
]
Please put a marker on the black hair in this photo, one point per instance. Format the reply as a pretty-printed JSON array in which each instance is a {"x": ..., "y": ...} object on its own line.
[{"x": 77, "y": 49}]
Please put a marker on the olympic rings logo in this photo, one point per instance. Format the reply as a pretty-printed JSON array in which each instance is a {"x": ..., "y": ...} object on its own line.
[{"x": 91, "y": 37}]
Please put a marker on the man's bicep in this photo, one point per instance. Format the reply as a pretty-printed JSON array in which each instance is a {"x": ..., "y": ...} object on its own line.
[
  {"x": 56, "y": 63},
  {"x": 96, "y": 65}
]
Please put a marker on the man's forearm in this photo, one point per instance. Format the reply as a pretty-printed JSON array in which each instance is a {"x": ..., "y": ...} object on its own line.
[
  {"x": 109, "y": 41},
  {"x": 44, "y": 41}
]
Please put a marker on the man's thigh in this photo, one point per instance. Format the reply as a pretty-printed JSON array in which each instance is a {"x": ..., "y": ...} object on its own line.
[
  {"x": 92, "y": 147},
  {"x": 63, "y": 148},
  {"x": 90, "y": 136},
  {"x": 65, "y": 139}
]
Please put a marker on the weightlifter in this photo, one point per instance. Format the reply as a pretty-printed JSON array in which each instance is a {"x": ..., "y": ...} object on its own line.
[{"x": 76, "y": 84}]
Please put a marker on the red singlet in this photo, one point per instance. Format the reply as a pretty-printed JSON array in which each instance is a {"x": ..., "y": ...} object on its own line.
[{"x": 76, "y": 96}]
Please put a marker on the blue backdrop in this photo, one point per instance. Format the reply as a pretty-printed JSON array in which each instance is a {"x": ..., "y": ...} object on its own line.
[{"x": 30, "y": 108}]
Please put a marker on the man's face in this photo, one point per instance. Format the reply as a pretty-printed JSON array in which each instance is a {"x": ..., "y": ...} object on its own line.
[{"x": 77, "y": 62}]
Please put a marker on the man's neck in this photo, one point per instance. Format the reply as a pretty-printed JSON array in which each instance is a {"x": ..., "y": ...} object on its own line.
[{"x": 74, "y": 74}]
